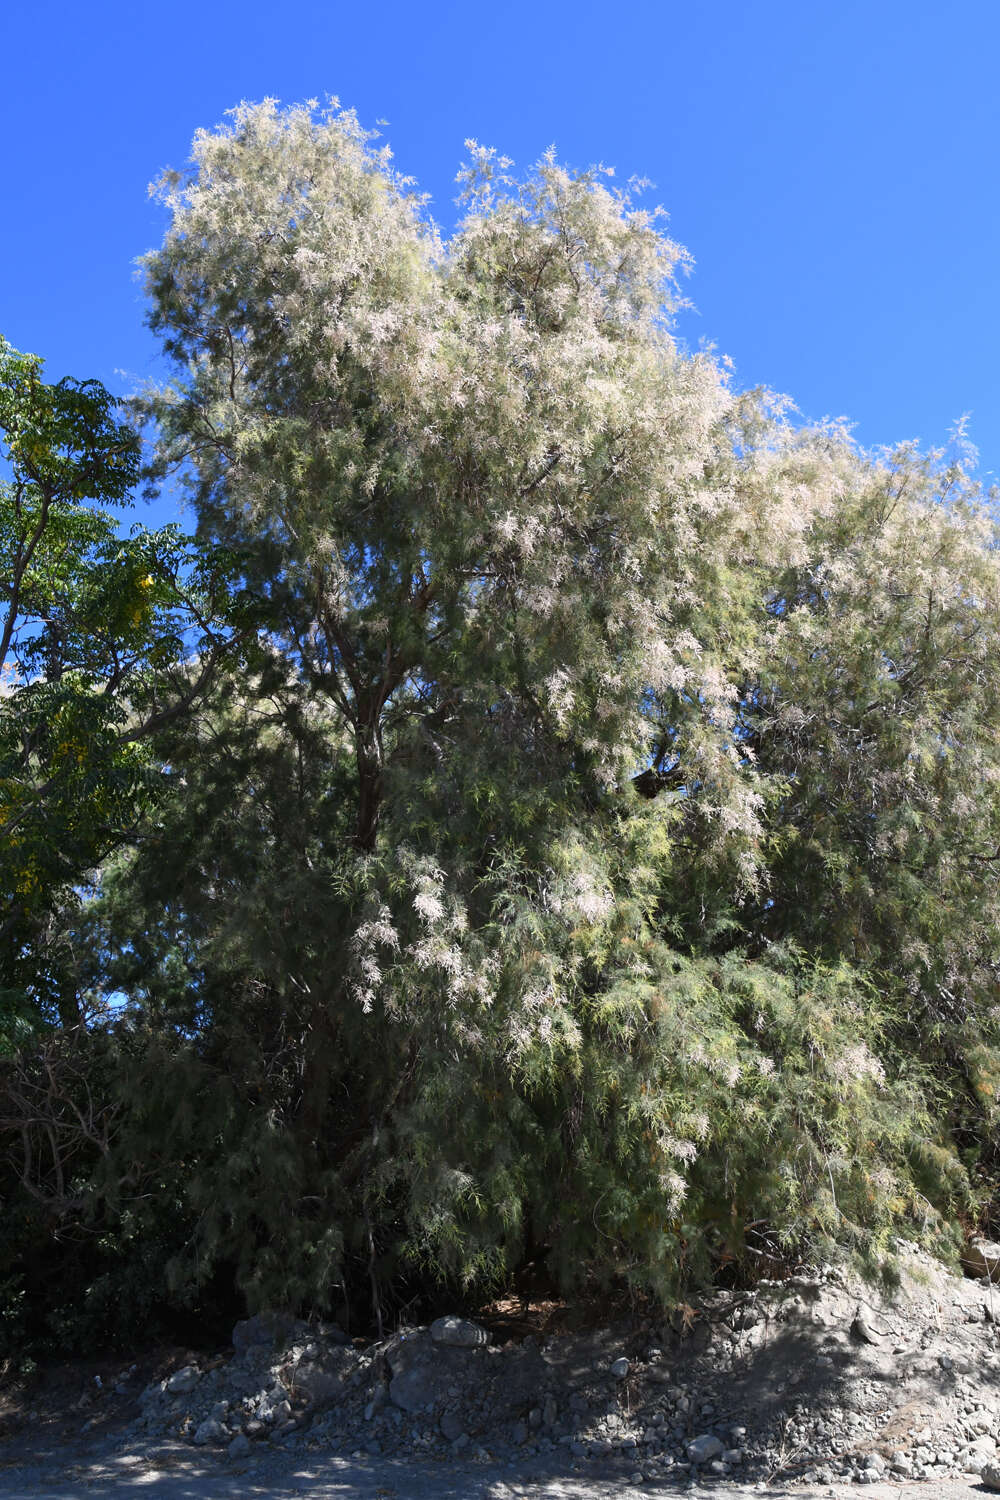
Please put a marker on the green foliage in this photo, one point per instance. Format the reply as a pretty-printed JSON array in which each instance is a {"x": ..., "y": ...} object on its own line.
[
  {"x": 95, "y": 634},
  {"x": 594, "y": 845}
]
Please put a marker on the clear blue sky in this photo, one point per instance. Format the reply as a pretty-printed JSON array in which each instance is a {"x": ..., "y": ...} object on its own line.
[{"x": 830, "y": 164}]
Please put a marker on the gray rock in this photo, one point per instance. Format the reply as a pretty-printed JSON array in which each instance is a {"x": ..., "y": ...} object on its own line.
[
  {"x": 267, "y": 1330},
  {"x": 210, "y": 1431},
  {"x": 331, "y": 1333},
  {"x": 410, "y": 1391},
  {"x": 974, "y": 1462},
  {"x": 240, "y": 1446},
  {"x": 549, "y": 1411},
  {"x": 321, "y": 1382},
  {"x": 183, "y": 1381},
  {"x": 458, "y": 1333},
  {"x": 863, "y": 1332},
  {"x": 982, "y": 1259},
  {"x": 874, "y": 1463},
  {"x": 451, "y": 1425},
  {"x": 620, "y": 1368},
  {"x": 990, "y": 1476},
  {"x": 376, "y": 1404},
  {"x": 274, "y": 1413},
  {"x": 704, "y": 1448}
]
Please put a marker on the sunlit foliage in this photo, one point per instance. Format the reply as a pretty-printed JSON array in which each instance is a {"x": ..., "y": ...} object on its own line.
[{"x": 598, "y": 849}]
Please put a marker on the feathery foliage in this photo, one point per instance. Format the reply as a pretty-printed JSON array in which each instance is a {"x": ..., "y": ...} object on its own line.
[{"x": 597, "y": 849}]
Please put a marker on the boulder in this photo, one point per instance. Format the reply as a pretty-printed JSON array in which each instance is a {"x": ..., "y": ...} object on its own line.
[
  {"x": 321, "y": 1381},
  {"x": 210, "y": 1431},
  {"x": 458, "y": 1333},
  {"x": 704, "y": 1448},
  {"x": 981, "y": 1258},
  {"x": 183, "y": 1381},
  {"x": 414, "y": 1388}
]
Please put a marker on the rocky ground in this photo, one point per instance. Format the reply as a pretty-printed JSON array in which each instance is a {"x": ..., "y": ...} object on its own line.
[{"x": 814, "y": 1380}]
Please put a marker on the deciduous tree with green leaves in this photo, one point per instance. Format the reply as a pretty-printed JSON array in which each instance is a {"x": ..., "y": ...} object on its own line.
[{"x": 96, "y": 632}]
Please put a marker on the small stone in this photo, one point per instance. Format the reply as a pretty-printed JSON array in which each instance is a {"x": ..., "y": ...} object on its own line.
[
  {"x": 240, "y": 1446},
  {"x": 549, "y": 1411},
  {"x": 704, "y": 1448},
  {"x": 535, "y": 1417},
  {"x": 620, "y": 1368},
  {"x": 874, "y": 1463},
  {"x": 990, "y": 1476}
]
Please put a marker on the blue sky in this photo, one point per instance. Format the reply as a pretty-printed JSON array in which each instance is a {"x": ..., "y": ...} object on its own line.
[{"x": 830, "y": 164}]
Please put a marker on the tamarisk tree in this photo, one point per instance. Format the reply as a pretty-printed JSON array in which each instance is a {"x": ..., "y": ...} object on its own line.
[{"x": 531, "y": 874}]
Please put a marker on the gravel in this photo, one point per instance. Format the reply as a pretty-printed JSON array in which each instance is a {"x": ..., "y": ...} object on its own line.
[{"x": 813, "y": 1380}]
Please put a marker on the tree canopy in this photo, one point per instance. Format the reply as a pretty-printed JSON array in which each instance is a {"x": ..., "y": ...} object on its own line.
[{"x": 593, "y": 846}]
